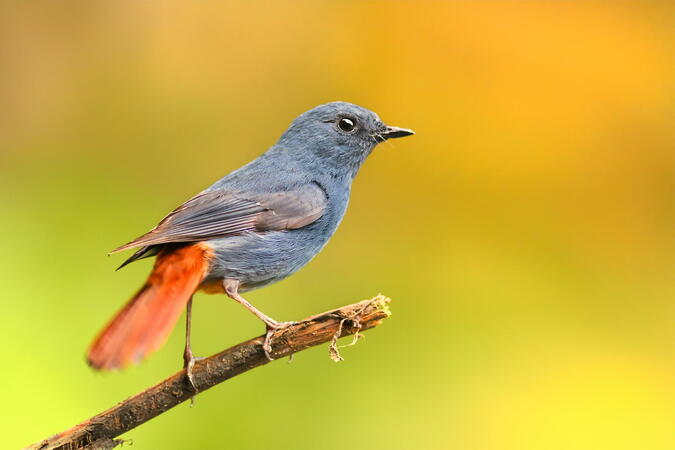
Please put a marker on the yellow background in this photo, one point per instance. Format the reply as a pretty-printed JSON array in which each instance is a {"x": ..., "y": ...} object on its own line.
[{"x": 525, "y": 234}]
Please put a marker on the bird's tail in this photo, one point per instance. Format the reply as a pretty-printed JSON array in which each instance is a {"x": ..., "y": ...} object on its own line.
[{"x": 144, "y": 324}]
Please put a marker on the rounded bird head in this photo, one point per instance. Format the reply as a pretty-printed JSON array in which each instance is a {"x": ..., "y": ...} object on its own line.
[{"x": 338, "y": 135}]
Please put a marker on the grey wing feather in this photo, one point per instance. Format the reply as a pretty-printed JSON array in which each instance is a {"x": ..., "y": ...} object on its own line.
[
  {"x": 214, "y": 214},
  {"x": 291, "y": 209}
]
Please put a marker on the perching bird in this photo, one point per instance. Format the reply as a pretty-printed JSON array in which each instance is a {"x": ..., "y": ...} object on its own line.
[{"x": 255, "y": 226}]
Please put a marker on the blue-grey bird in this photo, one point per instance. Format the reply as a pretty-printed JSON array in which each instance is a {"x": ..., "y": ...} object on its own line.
[{"x": 255, "y": 226}]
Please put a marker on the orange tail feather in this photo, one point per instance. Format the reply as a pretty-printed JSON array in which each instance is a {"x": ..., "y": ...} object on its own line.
[{"x": 145, "y": 322}]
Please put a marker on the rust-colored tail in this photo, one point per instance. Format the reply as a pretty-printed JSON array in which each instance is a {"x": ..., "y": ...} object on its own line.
[{"x": 145, "y": 322}]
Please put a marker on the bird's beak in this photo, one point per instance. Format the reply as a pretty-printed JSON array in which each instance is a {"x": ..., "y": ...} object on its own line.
[{"x": 396, "y": 132}]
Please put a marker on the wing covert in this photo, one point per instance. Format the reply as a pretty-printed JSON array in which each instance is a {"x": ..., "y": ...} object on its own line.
[{"x": 214, "y": 214}]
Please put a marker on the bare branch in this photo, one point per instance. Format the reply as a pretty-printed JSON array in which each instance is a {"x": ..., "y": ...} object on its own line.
[{"x": 99, "y": 431}]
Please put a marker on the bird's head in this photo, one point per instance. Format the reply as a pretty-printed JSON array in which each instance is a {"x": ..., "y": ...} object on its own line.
[{"x": 338, "y": 136}]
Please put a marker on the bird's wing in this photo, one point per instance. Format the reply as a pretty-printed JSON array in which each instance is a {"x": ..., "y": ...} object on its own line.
[{"x": 214, "y": 214}]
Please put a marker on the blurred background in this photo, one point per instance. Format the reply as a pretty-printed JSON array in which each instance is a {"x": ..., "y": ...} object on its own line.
[{"x": 525, "y": 234}]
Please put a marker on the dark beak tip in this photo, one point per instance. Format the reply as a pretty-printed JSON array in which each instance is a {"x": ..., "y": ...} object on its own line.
[{"x": 396, "y": 132}]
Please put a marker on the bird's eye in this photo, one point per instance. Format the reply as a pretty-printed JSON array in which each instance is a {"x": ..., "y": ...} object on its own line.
[{"x": 346, "y": 124}]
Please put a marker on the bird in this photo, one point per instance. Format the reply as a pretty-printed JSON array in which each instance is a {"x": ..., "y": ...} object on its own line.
[{"x": 254, "y": 227}]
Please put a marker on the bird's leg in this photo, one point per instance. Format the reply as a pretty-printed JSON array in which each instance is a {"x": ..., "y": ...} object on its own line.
[
  {"x": 188, "y": 358},
  {"x": 231, "y": 286}
]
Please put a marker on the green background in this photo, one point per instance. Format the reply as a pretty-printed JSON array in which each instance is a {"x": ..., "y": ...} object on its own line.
[{"x": 525, "y": 234}]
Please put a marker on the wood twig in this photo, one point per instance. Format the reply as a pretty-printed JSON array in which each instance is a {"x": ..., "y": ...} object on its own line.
[{"x": 99, "y": 431}]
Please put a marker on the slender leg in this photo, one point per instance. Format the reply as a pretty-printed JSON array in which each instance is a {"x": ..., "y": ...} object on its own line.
[
  {"x": 188, "y": 358},
  {"x": 231, "y": 289}
]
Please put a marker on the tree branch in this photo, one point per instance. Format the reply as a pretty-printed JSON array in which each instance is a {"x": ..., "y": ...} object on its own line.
[{"x": 99, "y": 431}]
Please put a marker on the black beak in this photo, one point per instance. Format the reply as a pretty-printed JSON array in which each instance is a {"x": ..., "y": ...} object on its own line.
[{"x": 396, "y": 132}]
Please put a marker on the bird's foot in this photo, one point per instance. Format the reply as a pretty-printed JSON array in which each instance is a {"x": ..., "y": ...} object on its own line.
[
  {"x": 272, "y": 328},
  {"x": 188, "y": 364}
]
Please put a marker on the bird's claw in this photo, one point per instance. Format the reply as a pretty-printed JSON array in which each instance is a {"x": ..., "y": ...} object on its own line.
[
  {"x": 189, "y": 363},
  {"x": 272, "y": 328}
]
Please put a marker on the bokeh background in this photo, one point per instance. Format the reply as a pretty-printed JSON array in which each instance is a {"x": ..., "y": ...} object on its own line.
[{"x": 525, "y": 234}]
